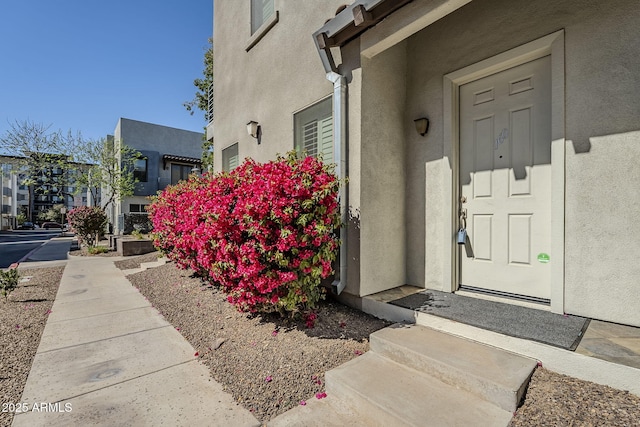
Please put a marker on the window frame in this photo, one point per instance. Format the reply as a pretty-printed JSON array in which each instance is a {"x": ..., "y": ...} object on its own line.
[
  {"x": 267, "y": 23},
  {"x": 318, "y": 112},
  {"x": 140, "y": 208},
  {"x": 182, "y": 166},
  {"x": 227, "y": 156},
  {"x": 137, "y": 173}
]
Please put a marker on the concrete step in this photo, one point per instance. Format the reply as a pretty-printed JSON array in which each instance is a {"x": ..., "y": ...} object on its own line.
[
  {"x": 153, "y": 264},
  {"x": 493, "y": 374},
  {"x": 327, "y": 412},
  {"x": 392, "y": 394},
  {"x": 145, "y": 266},
  {"x": 417, "y": 376}
]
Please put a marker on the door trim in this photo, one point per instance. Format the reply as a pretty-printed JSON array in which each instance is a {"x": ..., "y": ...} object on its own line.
[{"x": 552, "y": 44}]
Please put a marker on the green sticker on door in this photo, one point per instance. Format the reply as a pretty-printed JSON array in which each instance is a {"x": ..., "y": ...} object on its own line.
[{"x": 543, "y": 258}]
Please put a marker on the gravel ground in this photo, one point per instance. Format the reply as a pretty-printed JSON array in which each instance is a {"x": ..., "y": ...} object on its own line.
[
  {"x": 269, "y": 364},
  {"x": 22, "y": 320},
  {"x": 558, "y": 400}
]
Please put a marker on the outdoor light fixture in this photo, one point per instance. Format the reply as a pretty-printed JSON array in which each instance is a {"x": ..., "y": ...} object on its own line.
[
  {"x": 422, "y": 125},
  {"x": 196, "y": 170},
  {"x": 254, "y": 130}
]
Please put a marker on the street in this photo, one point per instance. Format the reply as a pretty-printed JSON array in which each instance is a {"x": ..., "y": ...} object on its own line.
[{"x": 16, "y": 244}]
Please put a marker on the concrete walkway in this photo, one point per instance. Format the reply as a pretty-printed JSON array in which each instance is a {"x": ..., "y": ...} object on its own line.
[{"x": 107, "y": 357}]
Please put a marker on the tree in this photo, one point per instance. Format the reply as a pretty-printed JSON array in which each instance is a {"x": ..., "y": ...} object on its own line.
[
  {"x": 201, "y": 99},
  {"x": 54, "y": 214},
  {"x": 207, "y": 155},
  {"x": 40, "y": 155},
  {"x": 201, "y": 102},
  {"x": 51, "y": 162},
  {"x": 108, "y": 174}
]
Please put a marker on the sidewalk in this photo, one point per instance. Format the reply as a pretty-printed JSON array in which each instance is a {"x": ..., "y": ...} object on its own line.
[{"x": 106, "y": 357}]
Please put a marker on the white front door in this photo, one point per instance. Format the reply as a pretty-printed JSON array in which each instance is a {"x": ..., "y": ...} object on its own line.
[{"x": 505, "y": 178}]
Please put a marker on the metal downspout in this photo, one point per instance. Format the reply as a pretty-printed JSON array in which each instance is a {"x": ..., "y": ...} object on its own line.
[{"x": 340, "y": 157}]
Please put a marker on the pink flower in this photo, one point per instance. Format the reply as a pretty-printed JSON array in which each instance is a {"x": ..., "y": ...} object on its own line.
[
  {"x": 303, "y": 402},
  {"x": 310, "y": 320},
  {"x": 357, "y": 352},
  {"x": 321, "y": 395},
  {"x": 274, "y": 333},
  {"x": 258, "y": 232},
  {"x": 268, "y": 379}
]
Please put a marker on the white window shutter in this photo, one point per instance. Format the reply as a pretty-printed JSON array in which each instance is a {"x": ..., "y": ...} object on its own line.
[
  {"x": 233, "y": 162},
  {"x": 267, "y": 9},
  {"x": 326, "y": 139},
  {"x": 310, "y": 138}
]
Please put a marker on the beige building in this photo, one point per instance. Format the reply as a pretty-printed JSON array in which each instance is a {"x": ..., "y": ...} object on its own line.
[{"x": 531, "y": 149}]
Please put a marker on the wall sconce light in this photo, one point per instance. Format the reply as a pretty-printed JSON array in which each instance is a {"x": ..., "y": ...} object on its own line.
[
  {"x": 254, "y": 130},
  {"x": 422, "y": 125},
  {"x": 196, "y": 170}
]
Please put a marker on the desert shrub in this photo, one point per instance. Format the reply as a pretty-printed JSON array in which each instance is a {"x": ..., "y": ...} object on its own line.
[
  {"x": 88, "y": 223},
  {"x": 94, "y": 250},
  {"x": 264, "y": 233},
  {"x": 8, "y": 281}
]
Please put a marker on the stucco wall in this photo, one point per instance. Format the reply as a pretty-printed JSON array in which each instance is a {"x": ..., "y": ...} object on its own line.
[
  {"x": 602, "y": 71},
  {"x": 277, "y": 77},
  {"x": 382, "y": 171},
  {"x": 153, "y": 141},
  {"x": 163, "y": 139},
  {"x": 395, "y": 194}
]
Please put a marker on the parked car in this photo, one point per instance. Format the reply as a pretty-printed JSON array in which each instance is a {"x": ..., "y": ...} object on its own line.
[
  {"x": 27, "y": 225},
  {"x": 50, "y": 225}
]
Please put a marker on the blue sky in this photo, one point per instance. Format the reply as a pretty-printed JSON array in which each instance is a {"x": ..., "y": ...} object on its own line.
[{"x": 83, "y": 64}]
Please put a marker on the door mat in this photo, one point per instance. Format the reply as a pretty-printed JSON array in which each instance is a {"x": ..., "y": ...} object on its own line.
[{"x": 564, "y": 331}]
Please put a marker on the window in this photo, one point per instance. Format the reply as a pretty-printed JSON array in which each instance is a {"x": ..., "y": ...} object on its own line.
[
  {"x": 261, "y": 11},
  {"x": 313, "y": 130},
  {"x": 135, "y": 208},
  {"x": 140, "y": 170},
  {"x": 230, "y": 158},
  {"x": 180, "y": 173}
]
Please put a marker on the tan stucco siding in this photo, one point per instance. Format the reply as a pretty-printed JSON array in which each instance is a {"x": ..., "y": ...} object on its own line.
[
  {"x": 602, "y": 71},
  {"x": 382, "y": 171},
  {"x": 278, "y": 76}
]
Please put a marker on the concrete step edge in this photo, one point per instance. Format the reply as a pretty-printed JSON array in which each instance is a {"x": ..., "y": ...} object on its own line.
[
  {"x": 493, "y": 374},
  {"x": 394, "y": 394},
  {"x": 152, "y": 264},
  {"x": 327, "y": 412}
]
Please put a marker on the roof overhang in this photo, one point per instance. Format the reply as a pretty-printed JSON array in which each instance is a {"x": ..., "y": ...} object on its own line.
[
  {"x": 403, "y": 18},
  {"x": 349, "y": 24},
  {"x": 179, "y": 159}
]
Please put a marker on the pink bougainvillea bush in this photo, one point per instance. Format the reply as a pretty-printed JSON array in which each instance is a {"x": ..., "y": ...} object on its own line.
[{"x": 264, "y": 233}]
